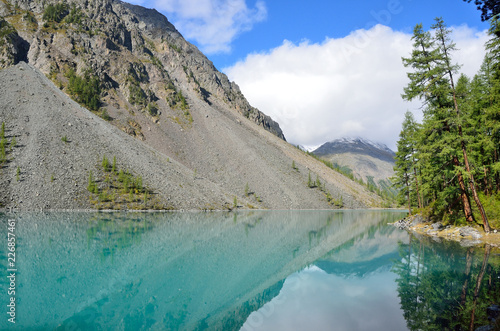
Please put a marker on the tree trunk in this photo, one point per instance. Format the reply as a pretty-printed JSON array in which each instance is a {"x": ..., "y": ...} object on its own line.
[
  {"x": 486, "y": 224},
  {"x": 472, "y": 185},
  {"x": 416, "y": 185},
  {"x": 408, "y": 194},
  {"x": 463, "y": 194}
]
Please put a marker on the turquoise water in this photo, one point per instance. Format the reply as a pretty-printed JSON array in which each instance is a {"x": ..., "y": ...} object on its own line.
[{"x": 263, "y": 270}]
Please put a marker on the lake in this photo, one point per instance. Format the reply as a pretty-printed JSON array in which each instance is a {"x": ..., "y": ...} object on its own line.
[{"x": 256, "y": 270}]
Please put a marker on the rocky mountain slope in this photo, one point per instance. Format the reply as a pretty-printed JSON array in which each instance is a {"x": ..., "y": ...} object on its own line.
[
  {"x": 366, "y": 160},
  {"x": 198, "y": 143}
]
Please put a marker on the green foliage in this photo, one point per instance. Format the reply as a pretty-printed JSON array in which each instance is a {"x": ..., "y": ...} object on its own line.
[
  {"x": 310, "y": 183},
  {"x": 85, "y": 89},
  {"x": 153, "y": 108},
  {"x": 454, "y": 153},
  {"x": 137, "y": 96},
  {"x": 18, "y": 173},
  {"x": 246, "y": 189},
  {"x": 176, "y": 98},
  {"x": 120, "y": 189},
  {"x": 491, "y": 204},
  {"x": 105, "y": 115},
  {"x": 294, "y": 167},
  {"x": 55, "y": 13},
  {"x": 91, "y": 183},
  {"x": 74, "y": 16},
  {"x": 64, "y": 139},
  {"x": 105, "y": 164},
  {"x": 444, "y": 286},
  {"x": 7, "y": 32},
  {"x": 235, "y": 202}
]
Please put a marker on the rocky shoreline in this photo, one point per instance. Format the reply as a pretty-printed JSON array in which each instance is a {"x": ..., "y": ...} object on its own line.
[{"x": 467, "y": 236}]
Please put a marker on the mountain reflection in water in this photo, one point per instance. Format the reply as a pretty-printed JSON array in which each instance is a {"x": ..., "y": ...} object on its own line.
[{"x": 323, "y": 270}]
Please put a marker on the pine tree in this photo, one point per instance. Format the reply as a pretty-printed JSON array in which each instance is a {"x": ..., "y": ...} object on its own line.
[
  {"x": 446, "y": 46},
  {"x": 405, "y": 159},
  {"x": 442, "y": 147}
]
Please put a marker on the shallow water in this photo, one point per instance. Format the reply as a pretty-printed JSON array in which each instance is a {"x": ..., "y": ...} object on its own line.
[{"x": 263, "y": 270}]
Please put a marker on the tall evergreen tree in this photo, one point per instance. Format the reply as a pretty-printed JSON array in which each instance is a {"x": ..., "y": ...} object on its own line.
[
  {"x": 446, "y": 47},
  {"x": 441, "y": 144},
  {"x": 405, "y": 166}
]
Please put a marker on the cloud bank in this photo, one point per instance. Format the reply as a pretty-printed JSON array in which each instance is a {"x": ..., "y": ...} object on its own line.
[
  {"x": 213, "y": 24},
  {"x": 342, "y": 87}
]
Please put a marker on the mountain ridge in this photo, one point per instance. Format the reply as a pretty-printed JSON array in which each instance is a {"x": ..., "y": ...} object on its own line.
[
  {"x": 365, "y": 160},
  {"x": 356, "y": 145},
  {"x": 196, "y": 141}
]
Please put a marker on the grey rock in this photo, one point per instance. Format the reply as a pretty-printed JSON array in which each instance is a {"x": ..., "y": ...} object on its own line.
[
  {"x": 437, "y": 226},
  {"x": 418, "y": 219},
  {"x": 469, "y": 231}
]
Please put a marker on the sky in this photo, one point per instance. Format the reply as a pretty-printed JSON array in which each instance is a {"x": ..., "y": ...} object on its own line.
[{"x": 323, "y": 69}]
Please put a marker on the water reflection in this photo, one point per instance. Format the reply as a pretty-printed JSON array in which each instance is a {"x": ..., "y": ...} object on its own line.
[
  {"x": 192, "y": 271},
  {"x": 443, "y": 286}
]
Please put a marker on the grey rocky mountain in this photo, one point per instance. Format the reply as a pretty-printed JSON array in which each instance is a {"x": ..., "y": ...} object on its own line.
[
  {"x": 372, "y": 162},
  {"x": 356, "y": 146},
  {"x": 158, "y": 105}
]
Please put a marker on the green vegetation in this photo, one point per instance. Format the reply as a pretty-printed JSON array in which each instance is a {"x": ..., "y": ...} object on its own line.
[
  {"x": 18, "y": 173},
  {"x": 64, "y": 139},
  {"x": 85, "y": 89},
  {"x": 6, "y": 28},
  {"x": 461, "y": 290},
  {"x": 246, "y": 189},
  {"x": 175, "y": 98},
  {"x": 310, "y": 183},
  {"x": 5, "y": 146},
  {"x": 55, "y": 13},
  {"x": 137, "y": 96},
  {"x": 449, "y": 165},
  {"x": 74, "y": 16},
  {"x": 175, "y": 48},
  {"x": 382, "y": 190},
  {"x": 294, "y": 167},
  {"x": 322, "y": 187},
  {"x": 119, "y": 189},
  {"x": 153, "y": 108}
]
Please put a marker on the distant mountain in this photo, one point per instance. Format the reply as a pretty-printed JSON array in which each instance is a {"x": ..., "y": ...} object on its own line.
[
  {"x": 356, "y": 146},
  {"x": 366, "y": 160}
]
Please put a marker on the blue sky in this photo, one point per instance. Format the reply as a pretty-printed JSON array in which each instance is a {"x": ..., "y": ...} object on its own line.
[
  {"x": 323, "y": 69},
  {"x": 317, "y": 19}
]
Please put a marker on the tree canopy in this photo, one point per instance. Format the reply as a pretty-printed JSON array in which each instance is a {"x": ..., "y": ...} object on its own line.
[
  {"x": 488, "y": 8},
  {"x": 449, "y": 163}
]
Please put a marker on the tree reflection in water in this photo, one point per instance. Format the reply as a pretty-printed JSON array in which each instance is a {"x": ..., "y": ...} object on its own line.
[{"x": 443, "y": 286}]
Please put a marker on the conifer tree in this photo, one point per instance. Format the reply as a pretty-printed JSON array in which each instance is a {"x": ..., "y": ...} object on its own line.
[
  {"x": 405, "y": 159},
  {"x": 442, "y": 146}
]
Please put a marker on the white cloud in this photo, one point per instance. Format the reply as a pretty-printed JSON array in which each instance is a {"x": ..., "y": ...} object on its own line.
[
  {"x": 342, "y": 87},
  {"x": 213, "y": 24}
]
